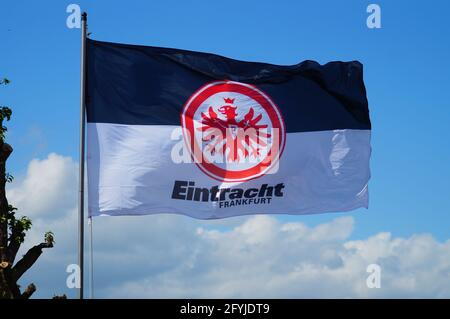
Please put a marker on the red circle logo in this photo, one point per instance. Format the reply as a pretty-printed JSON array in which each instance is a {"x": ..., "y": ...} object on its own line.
[{"x": 233, "y": 131}]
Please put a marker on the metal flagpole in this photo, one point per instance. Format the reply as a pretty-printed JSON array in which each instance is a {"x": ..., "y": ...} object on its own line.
[
  {"x": 81, "y": 168},
  {"x": 91, "y": 256}
]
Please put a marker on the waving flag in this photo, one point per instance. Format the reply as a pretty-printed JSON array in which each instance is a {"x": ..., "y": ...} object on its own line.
[{"x": 175, "y": 131}]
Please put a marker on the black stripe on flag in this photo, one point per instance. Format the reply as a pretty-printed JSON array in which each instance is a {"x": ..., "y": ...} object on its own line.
[{"x": 141, "y": 85}]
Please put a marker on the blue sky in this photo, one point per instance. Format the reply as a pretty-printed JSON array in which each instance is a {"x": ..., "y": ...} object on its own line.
[{"x": 406, "y": 65}]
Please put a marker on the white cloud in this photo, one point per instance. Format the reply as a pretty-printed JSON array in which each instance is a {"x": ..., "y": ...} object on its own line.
[
  {"x": 47, "y": 194},
  {"x": 48, "y": 189},
  {"x": 266, "y": 258},
  {"x": 259, "y": 256}
]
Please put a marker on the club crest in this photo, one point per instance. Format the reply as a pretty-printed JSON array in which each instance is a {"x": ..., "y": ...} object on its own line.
[{"x": 233, "y": 131}]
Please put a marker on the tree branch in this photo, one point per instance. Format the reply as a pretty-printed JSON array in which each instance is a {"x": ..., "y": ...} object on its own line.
[
  {"x": 29, "y": 259},
  {"x": 16, "y": 238},
  {"x": 13, "y": 246},
  {"x": 6, "y": 150},
  {"x": 28, "y": 292}
]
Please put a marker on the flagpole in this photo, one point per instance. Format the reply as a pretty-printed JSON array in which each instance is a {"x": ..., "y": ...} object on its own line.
[{"x": 81, "y": 161}]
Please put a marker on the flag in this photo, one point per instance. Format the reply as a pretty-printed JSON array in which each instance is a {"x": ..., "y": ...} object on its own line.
[{"x": 198, "y": 134}]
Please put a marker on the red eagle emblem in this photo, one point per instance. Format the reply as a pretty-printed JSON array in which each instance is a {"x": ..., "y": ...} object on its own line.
[{"x": 237, "y": 138}]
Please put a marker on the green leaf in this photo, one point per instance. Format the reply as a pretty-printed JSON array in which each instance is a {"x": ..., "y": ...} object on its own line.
[
  {"x": 49, "y": 237},
  {"x": 9, "y": 178}
]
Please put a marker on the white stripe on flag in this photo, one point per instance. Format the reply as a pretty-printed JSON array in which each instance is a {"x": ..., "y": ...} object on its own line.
[{"x": 131, "y": 172}]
